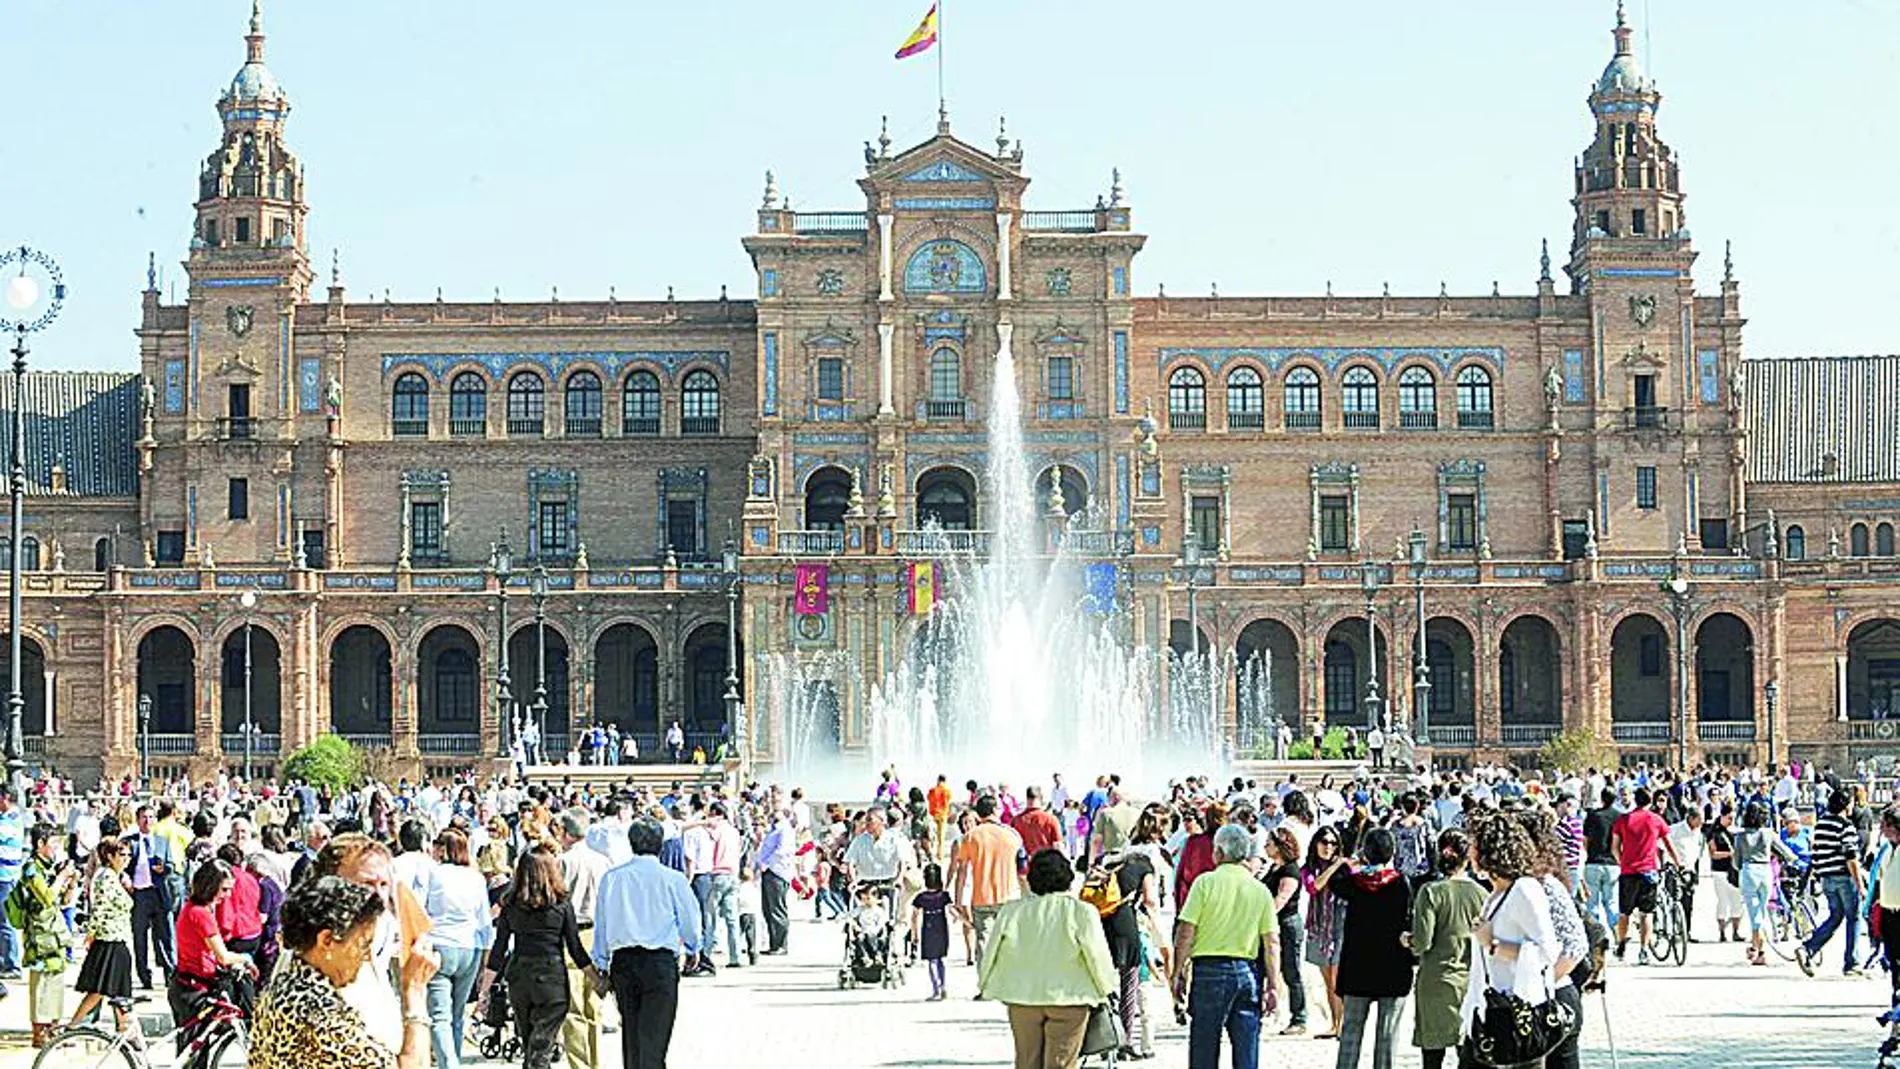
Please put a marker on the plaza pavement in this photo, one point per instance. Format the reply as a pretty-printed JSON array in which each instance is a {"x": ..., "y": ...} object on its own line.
[{"x": 788, "y": 1011}]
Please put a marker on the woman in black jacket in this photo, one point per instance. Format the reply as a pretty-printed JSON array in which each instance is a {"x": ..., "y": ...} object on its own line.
[
  {"x": 537, "y": 923},
  {"x": 1375, "y": 968}
]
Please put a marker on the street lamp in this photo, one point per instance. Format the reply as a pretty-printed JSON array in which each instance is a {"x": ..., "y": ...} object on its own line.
[
  {"x": 1422, "y": 680},
  {"x": 1678, "y": 590},
  {"x": 145, "y": 737},
  {"x": 33, "y": 294},
  {"x": 1369, "y": 582},
  {"x": 729, "y": 563},
  {"x": 538, "y": 590},
  {"x": 248, "y": 600},
  {"x": 1772, "y": 691},
  {"x": 501, "y": 560},
  {"x": 1191, "y": 555}
]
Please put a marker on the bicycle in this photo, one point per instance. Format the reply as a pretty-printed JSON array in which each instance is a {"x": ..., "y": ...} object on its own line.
[
  {"x": 222, "y": 1042},
  {"x": 1792, "y": 915},
  {"x": 1669, "y": 925}
]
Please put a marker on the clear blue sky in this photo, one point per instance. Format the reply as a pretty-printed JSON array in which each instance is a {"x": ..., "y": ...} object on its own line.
[{"x": 1267, "y": 146}]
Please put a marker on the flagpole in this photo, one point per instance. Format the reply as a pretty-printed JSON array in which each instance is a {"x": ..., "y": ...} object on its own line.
[{"x": 943, "y": 110}]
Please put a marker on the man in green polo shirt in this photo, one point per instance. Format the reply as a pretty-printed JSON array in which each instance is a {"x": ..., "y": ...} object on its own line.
[{"x": 1227, "y": 940}]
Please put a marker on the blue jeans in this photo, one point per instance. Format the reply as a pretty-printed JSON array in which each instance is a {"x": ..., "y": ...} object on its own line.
[
  {"x": 1758, "y": 883},
  {"x": 449, "y": 990},
  {"x": 721, "y": 902},
  {"x": 9, "y": 935},
  {"x": 1843, "y": 908},
  {"x": 1225, "y": 996},
  {"x": 1600, "y": 881}
]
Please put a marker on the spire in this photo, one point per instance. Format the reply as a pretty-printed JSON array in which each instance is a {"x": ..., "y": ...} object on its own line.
[
  {"x": 1728, "y": 261},
  {"x": 1543, "y": 263},
  {"x": 943, "y": 119},
  {"x": 254, "y": 41},
  {"x": 1622, "y": 31},
  {"x": 771, "y": 192},
  {"x": 151, "y": 272},
  {"x": 1115, "y": 191}
]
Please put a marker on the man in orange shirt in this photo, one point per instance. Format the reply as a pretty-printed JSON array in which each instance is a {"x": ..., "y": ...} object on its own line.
[
  {"x": 938, "y": 804},
  {"x": 987, "y": 864},
  {"x": 1039, "y": 828}
]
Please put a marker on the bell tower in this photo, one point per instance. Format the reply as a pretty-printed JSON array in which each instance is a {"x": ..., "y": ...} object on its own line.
[{"x": 1628, "y": 195}]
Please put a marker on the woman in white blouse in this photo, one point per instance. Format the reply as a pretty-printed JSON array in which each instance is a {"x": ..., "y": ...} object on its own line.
[
  {"x": 457, "y": 901},
  {"x": 1514, "y": 938}
]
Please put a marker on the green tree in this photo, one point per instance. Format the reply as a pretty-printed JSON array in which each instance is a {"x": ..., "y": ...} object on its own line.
[
  {"x": 1574, "y": 751},
  {"x": 329, "y": 761}
]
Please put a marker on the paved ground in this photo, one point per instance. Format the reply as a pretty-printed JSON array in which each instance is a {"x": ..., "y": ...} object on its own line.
[{"x": 1713, "y": 1012}]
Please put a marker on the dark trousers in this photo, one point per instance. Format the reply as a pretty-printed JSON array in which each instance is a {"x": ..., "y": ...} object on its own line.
[
  {"x": 151, "y": 922},
  {"x": 1565, "y": 1056},
  {"x": 778, "y": 918},
  {"x": 537, "y": 992},
  {"x": 1890, "y": 943},
  {"x": 1292, "y": 951},
  {"x": 647, "y": 990}
]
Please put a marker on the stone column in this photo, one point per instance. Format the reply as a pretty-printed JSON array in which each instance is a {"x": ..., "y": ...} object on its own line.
[
  {"x": 884, "y": 221},
  {"x": 1002, "y": 255},
  {"x": 884, "y": 362}
]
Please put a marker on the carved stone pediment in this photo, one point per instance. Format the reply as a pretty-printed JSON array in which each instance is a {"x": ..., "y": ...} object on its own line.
[{"x": 1640, "y": 356}]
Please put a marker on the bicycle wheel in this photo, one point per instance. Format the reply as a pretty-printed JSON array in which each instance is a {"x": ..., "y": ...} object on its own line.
[
  {"x": 1781, "y": 932},
  {"x": 230, "y": 1049},
  {"x": 1679, "y": 934},
  {"x": 85, "y": 1048}
]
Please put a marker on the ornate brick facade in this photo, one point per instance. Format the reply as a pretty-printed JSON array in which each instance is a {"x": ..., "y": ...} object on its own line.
[{"x": 1585, "y": 471}]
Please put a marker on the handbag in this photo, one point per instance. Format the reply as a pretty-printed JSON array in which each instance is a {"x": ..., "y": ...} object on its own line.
[
  {"x": 1103, "y": 1034},
  {"x": 1510, "y": 1031}
]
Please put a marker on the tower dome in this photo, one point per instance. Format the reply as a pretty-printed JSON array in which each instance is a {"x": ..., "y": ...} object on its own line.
[
  {"x": 1624, "y": 73},
  {"x": 254, "y": 83}
]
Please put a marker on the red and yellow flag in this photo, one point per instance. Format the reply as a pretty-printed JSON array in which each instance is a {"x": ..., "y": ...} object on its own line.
[
  {"x": 922, "y": 37},
  {"x": 924, "y": 584}
]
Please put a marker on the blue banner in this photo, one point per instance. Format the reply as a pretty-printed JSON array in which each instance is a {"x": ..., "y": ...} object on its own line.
[{"x": 1103, "y": 580}]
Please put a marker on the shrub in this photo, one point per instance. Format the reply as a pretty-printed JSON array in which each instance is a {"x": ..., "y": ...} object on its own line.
[
  {"x": 327, "y": 762},
  {"x": 1300, "y": 751},
  {"x": 1574, "y": 751},
  {"x": 1332, "y": 746}
]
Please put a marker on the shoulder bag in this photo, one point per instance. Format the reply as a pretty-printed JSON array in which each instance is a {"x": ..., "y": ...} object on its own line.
[{"x": 1510, "y": 1031}]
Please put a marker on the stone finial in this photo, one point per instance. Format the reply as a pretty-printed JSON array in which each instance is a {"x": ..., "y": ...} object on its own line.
[
  {"x": 1312, "y": 549},
  {"x": 580, "y": 557},
  {"x": 1484, "y": 548},
  {"x": 854, "y": 505},
  {"x": 1728, "y": 261},
  {"x": 299, "y": 559},
  {"x": 1385, "y": 289},
  {"x": 884, "y": 137},
  {"x": 1056, "y": 503},
  {"x": 669, "y": 293},
  {"x": 1543, "y": 263},
  {"x": 151, "y": 272},
  {"x": 438, "y": 295},
  {"x": 1443, "y": 292},
  {"x": 1115, "y": 191},
  {"x": 613, "y": 297},
  {"x": 886, "y": 496},
  {"x": 554, "y": 295},
  {"x": 1590, "y": 534},
  {"x": 1495, "y": 292},
  {"x": 336, "y": 267},
  {"x": 1002, "y": 136},
  {"x": 1329, "y": 289},
  {"x": 1213, "y": 290},
  {"x": 771, "y": 192}
]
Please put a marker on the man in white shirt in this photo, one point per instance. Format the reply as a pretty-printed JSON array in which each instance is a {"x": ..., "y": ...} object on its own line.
[
  {"x": 696, "y": 845},
  {"x": 582, "y": 867},
  {"x": 414, "y": 865},
  {"x": 1686, "y": 836},
  {"x": 608, "y": 837},
  {"x": 877, "y": 852}
]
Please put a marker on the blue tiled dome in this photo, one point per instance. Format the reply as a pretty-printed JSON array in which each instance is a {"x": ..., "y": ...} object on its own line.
[
  {"x": 1624, "y": 75},
  {"x": 254, "y": 82}
]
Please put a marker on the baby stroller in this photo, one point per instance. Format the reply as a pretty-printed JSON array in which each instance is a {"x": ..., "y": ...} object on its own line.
[
  {"x": 873, "y": 953},
  {"x": 499, "y": 1042}
]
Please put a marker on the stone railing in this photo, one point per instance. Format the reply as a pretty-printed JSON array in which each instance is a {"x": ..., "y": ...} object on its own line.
[
  {"x": 1528, "y": 734},
  {"x": 1453, "y": 736},
  {"x": 233, "y": 743},
  {"x": 810, "y": 543},
  {"x": 1725, "y": 731},
  {"x": 447, "y": 745},
  {"x": 1655, "y": 732},
  {"x": 941, "y": 543}
]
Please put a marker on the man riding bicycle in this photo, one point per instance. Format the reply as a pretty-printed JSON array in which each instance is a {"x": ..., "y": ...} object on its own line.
[{"x": 1636, "y": 839}]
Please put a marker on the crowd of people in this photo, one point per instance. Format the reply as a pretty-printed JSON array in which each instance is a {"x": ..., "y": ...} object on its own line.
[{"x": 384, "y": 927}]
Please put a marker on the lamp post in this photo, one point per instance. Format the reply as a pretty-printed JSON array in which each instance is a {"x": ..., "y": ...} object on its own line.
[
  {"x": 1771, "y": 691},
  {"x": 1369, "y": 582},
  {"x": 729, "y": 562},
  {"x": 33, "y": 293},
  {"x": 1678, "y": 588},
  {"x": 538, "y": 591},
  {"x": 501, "y": 562},
  {"x": 248, "y": 600},
  {"x": 1191, "y": 554},
  {"x": 1422, "y": 669},
  {"x": 145, "y": 737}
]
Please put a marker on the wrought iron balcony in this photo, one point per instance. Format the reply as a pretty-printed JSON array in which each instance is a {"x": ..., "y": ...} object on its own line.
[
  {"x": 171, "y": 745},
  {"x": 525, "y": 428},
  {"x": 1650, "y": 418},
  {"x": 699, "y": 426},
  {"x": 1302, "y": 421},
  {"x": 948, "y": 410},
  {"x": 468, "y": 428},
  {"x": 1418, "y": 421},
  {"x": 820, "y": 543},
  {"x": 640, "y": 426},
  {"x": 237, "y": 428},
  {"x": 1476, "y": 421},
  {"x": 369, "y": 742},
  {"x": 1725, "y": 731},
  {"x": 1246, "y": 421},
  {"x": 233, "y": 743},
  {"x": 1186, "y": 421},
  {"x": 1453, "y": 736},
  {"x": 448, "y": 745},
  {"x": 583, "y": 426},
  {"x": 409, "y": 428},
  {"x": 1361, "y": 421}
]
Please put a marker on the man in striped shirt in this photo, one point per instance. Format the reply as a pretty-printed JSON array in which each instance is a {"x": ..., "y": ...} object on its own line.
[{"x": 1836, "y": 864}]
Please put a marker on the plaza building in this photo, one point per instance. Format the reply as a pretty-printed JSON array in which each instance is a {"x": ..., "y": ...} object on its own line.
[{"x": 1610, "y": 518}]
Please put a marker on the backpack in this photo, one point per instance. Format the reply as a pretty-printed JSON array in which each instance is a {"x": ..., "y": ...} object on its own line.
[{"x": 1103, "y": 890}]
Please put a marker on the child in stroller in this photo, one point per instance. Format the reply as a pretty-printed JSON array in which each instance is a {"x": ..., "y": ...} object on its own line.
[{"x": 871, "y": 954}]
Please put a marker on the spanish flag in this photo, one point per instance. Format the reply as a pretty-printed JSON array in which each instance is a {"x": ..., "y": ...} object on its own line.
[
  {"x": 922, "y": 37},
  {"x": 924, "y": 581}
]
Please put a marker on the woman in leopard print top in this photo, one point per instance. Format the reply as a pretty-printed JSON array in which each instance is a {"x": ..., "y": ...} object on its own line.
[{"x": 302, "y": 1021}]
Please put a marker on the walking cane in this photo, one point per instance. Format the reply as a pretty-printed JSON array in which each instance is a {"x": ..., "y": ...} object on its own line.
[{"x": 1608, "y": 1033}]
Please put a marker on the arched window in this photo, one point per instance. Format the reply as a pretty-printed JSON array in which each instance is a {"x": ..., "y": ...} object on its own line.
[
  {"x": 1883, "y": 540},
  {"x": 1359, "y": 398},
  {"x": 29, "y": 554},
  {"x": 1418, "y": 399},
  {"x": 102, "y": 555},
  {"x": 1187, "y": 400},
  {"x": 468, "y": 405},
  {"x": 1857, "y": 540},
  {"x": 1246, "y": 401},
  {"x": 409, "y": 407},
  {"x": 527, "y": 404},
  {"x": 640, "y": 404},
  {"x": 699, "y": 403},
  {"x": 1474, "y": 397},
  {"x": 1302, "y": 399},
  {"x": 1795, "y": 545},
  {"x": 945, "y": 399},
  {"x": 581, "y": 411}
]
